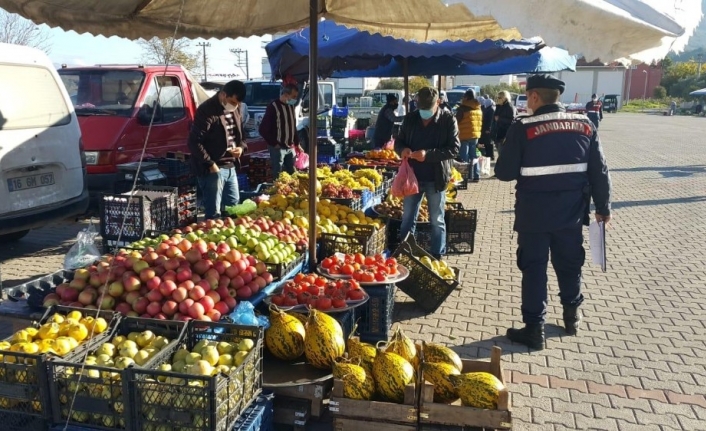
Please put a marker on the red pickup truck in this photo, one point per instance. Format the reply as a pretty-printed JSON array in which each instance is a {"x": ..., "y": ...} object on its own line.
[{"x": 114, "y": 105}]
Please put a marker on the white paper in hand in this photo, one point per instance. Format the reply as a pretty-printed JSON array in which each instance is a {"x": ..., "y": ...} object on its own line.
[{"x": 596, "y": 242}]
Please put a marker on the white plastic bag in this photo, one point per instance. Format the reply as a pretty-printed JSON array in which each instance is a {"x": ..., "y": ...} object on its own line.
[
  {"x": 484, "y": 165},
  {"x": 84, "y": 252}
]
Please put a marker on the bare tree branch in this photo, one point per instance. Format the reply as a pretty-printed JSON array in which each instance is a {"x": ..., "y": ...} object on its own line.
[
  {"x": 20, "y": 31},
  {"x": 157, "y": 51}
]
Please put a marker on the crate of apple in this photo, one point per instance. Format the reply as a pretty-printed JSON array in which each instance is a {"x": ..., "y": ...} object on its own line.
[
  {"x": 177, "y": 280},
  {"x": 364, "y": 269},
  {"x": 314, "y": 291}
]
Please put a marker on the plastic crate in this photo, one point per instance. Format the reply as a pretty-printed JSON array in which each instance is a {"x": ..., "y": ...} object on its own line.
[
  {"x": 422, "y": 234},
  {"x": 366, "y": 239},
  {"x": 460, "y": 229},
  {"x": 326, "y": 160},
  {"x": 35, "y": 290},
  {"x": 423, "y": 285},
  {"x": 346, "y": 319},
  {"x": 109, "y": 246},
  {"x": 102, "y": 394},
  {"x": 213, "y": 404},
  {"x": 362, "y": 123},
  {"x": 259, "y": 416},
  {"x": 375, "y": 316},
  {"x": 329, "y": 149},
  {"x": 340, "y": 111},
  {"x": 150, "y": 207},
  {"x": 243, "y": 183},
  {"x": 354, "y": 203},
  {"x": 24, "y": 384},
  {"x": 279, "y": 270},
  {"x": 21, "y": 422},
  {"x": 465, "y": 170}
]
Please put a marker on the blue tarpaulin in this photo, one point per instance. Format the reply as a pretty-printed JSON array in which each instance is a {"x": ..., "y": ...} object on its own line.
[
  {"x": 701, "y": 92},
  {"x": 345, "y": 52}
]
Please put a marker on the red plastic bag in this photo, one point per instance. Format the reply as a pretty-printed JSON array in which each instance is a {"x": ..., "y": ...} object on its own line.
[
  {"x": 405, "y": 183},
  {"x": 301, "y": 161}
]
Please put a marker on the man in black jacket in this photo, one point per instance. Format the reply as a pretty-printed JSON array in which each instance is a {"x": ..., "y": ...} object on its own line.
[
  {"x": 429, "y": 140},
  {"x": 216, "y": 142},
  {"x": 386, "y": 121},
  {"x": 557, "y": 160}
]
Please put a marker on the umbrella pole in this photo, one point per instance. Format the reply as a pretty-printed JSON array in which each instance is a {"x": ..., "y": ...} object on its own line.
[
  {"x": 405, "y": 68},
  {"x": 313, "y": 108}
]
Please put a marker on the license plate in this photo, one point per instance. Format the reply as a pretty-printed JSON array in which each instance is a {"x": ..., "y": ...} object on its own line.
[{"x": 30, "y": 182}]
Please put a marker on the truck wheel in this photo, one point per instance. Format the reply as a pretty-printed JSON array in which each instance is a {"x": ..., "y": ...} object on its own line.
[{"x": 14, "y": 236}]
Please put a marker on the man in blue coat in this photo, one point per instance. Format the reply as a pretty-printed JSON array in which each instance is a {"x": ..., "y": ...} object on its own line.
[{"x": 557, "y": 161}]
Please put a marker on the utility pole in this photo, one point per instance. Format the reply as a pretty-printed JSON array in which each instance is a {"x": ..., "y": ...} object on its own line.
[
  {"x": 204, "y": 45},
  {"x": 698, "y": 71},
  {"x": 242, "y": 61}
]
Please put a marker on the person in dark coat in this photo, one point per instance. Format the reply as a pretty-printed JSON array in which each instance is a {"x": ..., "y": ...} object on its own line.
[
  {"x": 486, "y": 138},
  {"x": 558, "y": 163},
  {"x": 594, "y": 110},
  {"x": 386, "y": 121},
  {"x": 216, "y": 142},
  {"x": 505, "y": 114}
]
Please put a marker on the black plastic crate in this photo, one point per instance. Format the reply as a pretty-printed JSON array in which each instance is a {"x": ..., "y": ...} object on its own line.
[
  {"x": 110, "y": 246},
  {"x": 366, "y": 239},
  {"x": 35, "y": 290},
  {"x": 243, "y": 183},
  {"x": 346, "y": 319},
  {"x": 150, "y": 207},
  {"x": 259, "y": 416},
  {"x": 375, "y": 316},
  {"x": 460, "y": 229},
  {"x": 362, "y": 123},
  {"x": 199, "y": 403},
  {"x": 21, "y": 422},
  {"x": 423, "y": 285},
  {"x": 280, "y": 270},
  {"x": 102, "y": 394},
  {"x": 422, "y": 234},
  {"x": 326, "y": 159},
  {"x": 329, "y": 150},
  {"x": 465, "y": 170},
  {"x": 24, "y": 384},
  {"x": 355, "y": 203}
]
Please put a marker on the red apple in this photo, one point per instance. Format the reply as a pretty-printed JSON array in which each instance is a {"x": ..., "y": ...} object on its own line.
[
  {"x": 153, "y": 283},
  {"x": 154, "y": 295},
  {"x": 200, "y": 246},
  {"x": 222, "y": 307},
  {"x": 222, "y": 292},
  {"x": 95, "y": 280},
  {"x": 205, "y": 284},
  {"x": 246, "y": 276},
  {"x": 252, "y": 261},
  {"x": 197, "y": 293},
  {"x": 183, "y": 274},
  {"x": 139, "y": 265},
  {"x": 195, "y": 278},
  {"x": 171, "y": 264},
  {"x": 221, "y": 265},
  {"x": 170, "y": 307},
  {"x": 254, "y": 288},
  {"x": 131, "y": 297},
  {"x": 223, "y": 281},
  {"x": 188, "y": 285},
  {"x": 50, "y": 300},
  {"x": 102, "y": 267},
  {"x": 260, "y": 282},
  {"x": 237, "y": 282},
  {"x": 147, "y": 274},
  {"x": 117, "y": 272},
  {"x": 230, "y": 302},
  {"x": 131, "y": 283},
  {"x": 196, "y": 311},
  {"x": 123, "y": 308},
  {"x": 207, "y": 303},
  {"x": 214, "y": 315},
  {"x": 232, "y": 292},
  {"x": 215, "y": 296},
  {"x": 78, "y": 284},
  {"x": 241, "y": 265},
  {"x": 169, "y": 275},
  {"x": 159, "y": 271},
  {"x": 107, "y": 303},
  {"x": 115, "y": 289},
  {"x": 201, "y": 266},
  {"x": 76, "y": 304},
  {"x": 222, "y": 248},
  {"x": 184, "y": 245},
  {"x": 143, "y": 290},
  {"x": 154, "y": 308},
  {"x": 180, "y": 294},
  {"x": 150, "y": 257},
  {"x": 88, "y": 296},
  {"x": 260, "y": 267},
  {"x": 173, "y": 251},
  {"x": 212, "y": 273},
  {"x": 167, "y": 287},
  {"x": 161, "y": 259},
  {"x": 244, "y": 292},
  {"x": 160, "y": 316},
  {"x": 140, "y": 305},
  {"x": 252, "y": 270},
  {"x": 185, "y": 305},
  {"x": 193, "y": 256},
  {"x": 268, "y": 277}
]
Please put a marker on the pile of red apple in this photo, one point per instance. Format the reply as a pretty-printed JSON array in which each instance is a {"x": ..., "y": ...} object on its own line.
[{"x": 176, "y": 280}]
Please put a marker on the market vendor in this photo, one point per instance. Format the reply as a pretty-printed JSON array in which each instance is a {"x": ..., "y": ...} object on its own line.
[
  {"x": 216, "y": 143},
  {"x": 429, "y": 140},
  {"x": 557, "y": 161},
  {"x": 386, "y": 121}
]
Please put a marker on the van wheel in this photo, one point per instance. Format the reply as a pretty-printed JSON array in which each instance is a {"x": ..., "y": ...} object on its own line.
[{"x": 14, "y": 236}]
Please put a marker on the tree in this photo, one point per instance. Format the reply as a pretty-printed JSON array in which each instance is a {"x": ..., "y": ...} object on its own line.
[
  {"x": 659, "y": 92},
  {"x": 416, "y": 83},
  {"x": 493, "y": 90},
  {"x": 170, "y": 51},
  {"x": 391, "y": 84},
  {"x": 19, "y": 31}
]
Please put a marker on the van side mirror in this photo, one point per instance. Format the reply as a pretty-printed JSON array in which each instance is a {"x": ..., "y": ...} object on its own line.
[{"x": 144, "y": 115}]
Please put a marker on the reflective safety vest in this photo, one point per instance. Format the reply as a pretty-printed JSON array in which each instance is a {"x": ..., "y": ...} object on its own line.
[{"x": 594, "y": 108}]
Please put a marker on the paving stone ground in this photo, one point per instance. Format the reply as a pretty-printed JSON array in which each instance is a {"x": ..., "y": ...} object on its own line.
[{"x": 640, "y": 361}]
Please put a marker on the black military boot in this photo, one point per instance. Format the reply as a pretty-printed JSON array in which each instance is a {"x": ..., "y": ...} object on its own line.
[
  {"x": 572, "y": 319},
  {"x": 532, "y": 336}
]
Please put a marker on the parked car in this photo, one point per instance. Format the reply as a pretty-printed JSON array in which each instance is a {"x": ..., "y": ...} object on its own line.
[
  {"x": 42, "y": 163},
  {"x": 610, "y": 103},
  {"x": 521, "y": 103},
  {"x": 115, "y": 105}
]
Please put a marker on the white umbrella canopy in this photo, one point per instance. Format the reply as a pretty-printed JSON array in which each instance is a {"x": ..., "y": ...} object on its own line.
[
  {"x": 634, "y": 30},
  {"x": 420, "y": 20}
]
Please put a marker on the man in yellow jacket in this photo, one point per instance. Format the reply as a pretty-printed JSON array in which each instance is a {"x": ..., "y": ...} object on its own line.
[{"x": 470, "y": 125}]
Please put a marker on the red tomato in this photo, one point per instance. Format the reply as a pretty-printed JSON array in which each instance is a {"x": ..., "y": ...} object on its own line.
[
  {"x": 313, "y": 299},
  {"x": 313, "y": 289},
  {"x": 369, "y": 260},
  {"x": 391, "y": 261},
  {"x": 311, "y": 279},
  {"x": 347, "y": 269},
  {"x": 392, "y": 269},
  {"x": 335, "y": 269},
  {"x": 320, "y": 282},
  {"x": 324, "y": 303},
  {"x": 380, "y": 276},
  {"x": 299, "y": 277},
  {"x": 290, "y": 300},
  {"x": 379, "y": 258},
  {"x": 327, "y": 263},
  {"x": 358, "y": 275},
  {"x": 368, "y": 277},
  {"x": 303, "y": 297},
  {"x": 278, "y": 300},
  {"x": 359, "y": 258},
  {"x": 356, "y": 294},
  {"x": 338, "y": 302}
]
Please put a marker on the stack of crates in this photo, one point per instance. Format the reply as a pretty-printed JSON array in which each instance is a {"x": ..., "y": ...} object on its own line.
[
  {"x": 339, "y": 123},
  {"x": 260, "y": 170},
  {"x": 179, "y": 175}
]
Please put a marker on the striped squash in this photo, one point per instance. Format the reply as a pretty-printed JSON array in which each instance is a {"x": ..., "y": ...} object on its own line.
[
  {"x": 480, "y": 390},
  {"x": 285, "y": 336},
  {"x": 355, "y": 381},
  {"x": 437, "y": 353},
  {"x": 362, "y": 352},
  {"x": 403, "y": 346},
  {"x": 439, "y": 374},
  {"x": 301, "y": 317},
  {"x": 392, "y": 373},
  {"x": 324, "y": 340}
]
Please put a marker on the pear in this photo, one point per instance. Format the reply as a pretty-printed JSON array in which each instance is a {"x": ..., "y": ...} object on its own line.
[
  {"x": 106, "y": 349},
  {"x": 239, "y": 358},
  {"x": 180, "y": 355},
  {"x": 123, "y": 362},
  {"x": 210, "y": 355},
  {"x": 141, "y": 357},
  {"x": 145, "y": 338},
  {"x": 246, "y": 345},
  {"x": 225, "y": 359},
  {"x": 225, "y": 348},
  {"x": 201, "y": 368},
  {"x": 179, "y": 366},
  {"x": 132, "y": 336},
  {"x": 192, "y": 358},
  {"x": 199, "y": 346}
]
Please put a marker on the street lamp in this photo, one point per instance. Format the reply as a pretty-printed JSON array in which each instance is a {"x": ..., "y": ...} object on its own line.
[{"x": 644, "y": 93}]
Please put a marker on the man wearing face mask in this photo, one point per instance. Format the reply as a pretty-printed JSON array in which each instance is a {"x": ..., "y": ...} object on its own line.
[
  {"x": 216, "y": 142},
  {"x": 386, "y": 121},
  {"x": 279, "y": 129},
  {"x": 429, "y": 140},
  {"x": 558, "y": 163},
  {"x": 594, "y": 110}
]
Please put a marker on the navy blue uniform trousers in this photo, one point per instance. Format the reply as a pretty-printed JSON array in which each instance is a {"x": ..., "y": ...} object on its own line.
[{"x": 567, "y": 256}]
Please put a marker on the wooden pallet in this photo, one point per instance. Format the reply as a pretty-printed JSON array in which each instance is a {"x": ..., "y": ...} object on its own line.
[
  {"x": 460, "y": 416},
  {"x": 374, "y": 413},
  {"x": 315, "y": 393}
]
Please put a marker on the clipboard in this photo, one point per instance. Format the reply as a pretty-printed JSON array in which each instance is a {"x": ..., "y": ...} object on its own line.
[{"x": 596, "y": 241}]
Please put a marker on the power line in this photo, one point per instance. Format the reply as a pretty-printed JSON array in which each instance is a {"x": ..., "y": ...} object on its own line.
[
  {"x": 204, "y": 45},
  {"x": 242, "y": 61}
]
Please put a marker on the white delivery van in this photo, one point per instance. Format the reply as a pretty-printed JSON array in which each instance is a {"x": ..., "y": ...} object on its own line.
[{"x": 42, "y": 165}]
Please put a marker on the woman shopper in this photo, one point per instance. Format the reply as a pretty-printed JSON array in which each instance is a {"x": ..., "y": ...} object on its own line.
[
  {"x": 505, "y": 113},
  {"x": 486, "y": 138},
  {"x": 470, "y": 122}
]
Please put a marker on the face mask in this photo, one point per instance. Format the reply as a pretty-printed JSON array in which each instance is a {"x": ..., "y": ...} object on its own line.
[
  {"x": 292, "y": 102},
  {"x": 230, "y": 107},
  {"x": 426, "y": 113}
]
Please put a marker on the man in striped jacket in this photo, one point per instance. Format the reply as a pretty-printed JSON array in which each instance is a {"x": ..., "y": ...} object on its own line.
[
  {"x": 557, "y": 161},
  {"x": 279, "y": 129}
]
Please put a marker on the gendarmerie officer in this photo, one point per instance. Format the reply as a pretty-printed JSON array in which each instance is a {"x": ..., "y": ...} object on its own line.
[{"x": 557, "y": 160}]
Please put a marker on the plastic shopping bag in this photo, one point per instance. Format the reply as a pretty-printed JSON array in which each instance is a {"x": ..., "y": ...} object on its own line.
[
  {"x": 484, "y": 166},
  {"x": 84, "y": 252},
  {"x": 301, "y": 161},
  {"x": 390, "y": 145},
  {"x": 405, "y": 183}
]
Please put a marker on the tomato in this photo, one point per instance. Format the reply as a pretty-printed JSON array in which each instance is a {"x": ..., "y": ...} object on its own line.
[
  {"x": 335, "y": 269},
  {"x": 379, "y": 258},
  {"x": 338, "y": 301},
  {"x": 293, "y": 288},
  {"x": 313, "y": 289},
  {"x": 380, "y": 276},
  {"x": 311, "y": 279},
  {"x": 324, "y": 303},
  {"x": 392, "y": 269},
  {"x": 320, "y": 282},
  {"x": 358, "y": 274},
  {"x": 290, "y": 300},
  {"x": 356, "y": 294},
  {"x": 327, "y": 263},
  {"x": 303, "y": 298},
  {"x": 347, "y": 269},
  {"x": 391, "y": 261},
  {"x": 278, "y": 300},
  {"x": 299, "y": 277},
  {"x": 359, "y": 258},
  {"x": 369, "y": 260},
  {"x": 313, "y": 299},
  {"x": 368, "y": 277}
]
